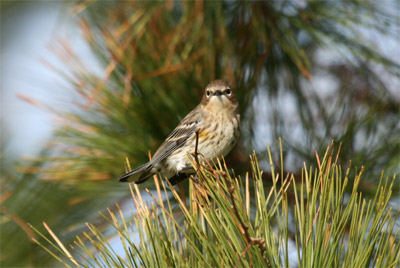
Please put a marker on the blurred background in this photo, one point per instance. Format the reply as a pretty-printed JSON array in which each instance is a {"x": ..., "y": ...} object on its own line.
[{"x": 86, "y": 84}]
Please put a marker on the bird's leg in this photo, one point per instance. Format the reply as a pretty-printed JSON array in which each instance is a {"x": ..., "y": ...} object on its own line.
[
  {"x": 195, "y": 179},
  {"x": 190, "y": 171}
]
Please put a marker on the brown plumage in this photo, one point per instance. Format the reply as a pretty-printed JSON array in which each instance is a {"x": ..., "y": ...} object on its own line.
[{"x": 218, "y": 122}]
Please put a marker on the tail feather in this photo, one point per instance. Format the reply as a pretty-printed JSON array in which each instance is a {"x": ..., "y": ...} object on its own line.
[{"x": 138, "y": 175}]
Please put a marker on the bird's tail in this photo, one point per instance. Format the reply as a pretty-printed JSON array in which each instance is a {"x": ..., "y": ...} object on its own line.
[{"x": 138, "y": 175}]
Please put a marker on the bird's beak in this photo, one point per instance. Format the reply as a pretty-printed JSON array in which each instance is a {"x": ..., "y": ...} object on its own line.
[{"x": 218, "y": 93}]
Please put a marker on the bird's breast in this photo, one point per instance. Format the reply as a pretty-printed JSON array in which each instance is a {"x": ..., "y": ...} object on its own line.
[{"x": 218, "y": 134}]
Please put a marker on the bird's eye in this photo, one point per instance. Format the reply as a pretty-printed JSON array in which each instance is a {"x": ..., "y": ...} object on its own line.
[
  {"x": 228, "y": 92},
  {"x": 208, "y": 93}
]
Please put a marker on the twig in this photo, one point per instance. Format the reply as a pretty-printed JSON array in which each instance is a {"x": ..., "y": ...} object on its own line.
[
  {"x": 250, "y": 241},
  {"x": 241, "y": 255},
  {"x": 202, "y": 194},
  {"x": 195, "y": 153}
]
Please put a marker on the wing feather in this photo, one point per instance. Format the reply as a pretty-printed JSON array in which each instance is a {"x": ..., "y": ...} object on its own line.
[{"x": 179, "y": 135}]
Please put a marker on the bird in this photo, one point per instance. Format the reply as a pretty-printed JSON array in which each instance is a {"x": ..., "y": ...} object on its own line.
[{"x": 214, "y": 123}]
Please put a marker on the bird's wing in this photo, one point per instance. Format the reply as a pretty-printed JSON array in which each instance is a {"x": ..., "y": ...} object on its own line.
[
  {"x": 179, "y": 135},
  {"x": 138, "y": 175}
]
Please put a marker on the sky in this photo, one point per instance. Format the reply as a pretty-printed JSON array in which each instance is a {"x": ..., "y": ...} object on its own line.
[{"x": 28, "y": 32}]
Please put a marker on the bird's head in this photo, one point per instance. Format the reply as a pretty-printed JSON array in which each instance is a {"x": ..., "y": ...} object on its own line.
[{"x": 219, "y": 96}]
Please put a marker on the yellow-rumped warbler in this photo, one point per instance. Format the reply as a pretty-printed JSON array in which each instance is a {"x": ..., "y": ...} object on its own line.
[{"x": 218, "y": 123}]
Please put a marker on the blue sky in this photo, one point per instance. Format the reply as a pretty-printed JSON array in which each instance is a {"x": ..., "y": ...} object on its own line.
[{"x": 28, "y": 33}]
